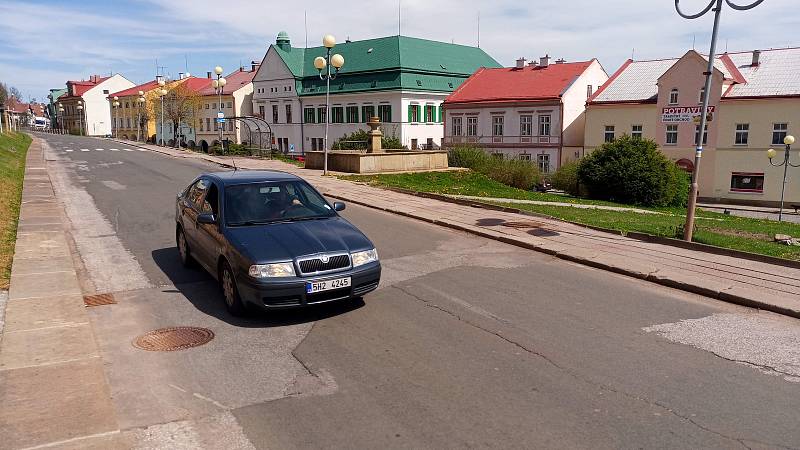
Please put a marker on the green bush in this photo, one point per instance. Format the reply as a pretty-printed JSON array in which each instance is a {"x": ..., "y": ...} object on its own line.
[
  {"x": 566, "y": 178},
  {"x": 632, "y": 171},
  {"x": 511, "y": 172}
]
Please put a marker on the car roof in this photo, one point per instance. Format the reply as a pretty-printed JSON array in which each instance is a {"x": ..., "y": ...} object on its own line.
[{"x": 231, "y": 177}]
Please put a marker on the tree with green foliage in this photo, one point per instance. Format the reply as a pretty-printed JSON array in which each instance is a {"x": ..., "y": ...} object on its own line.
[
  {"x": 358, "y": 140},
  {"x": 633, "y": 171}
]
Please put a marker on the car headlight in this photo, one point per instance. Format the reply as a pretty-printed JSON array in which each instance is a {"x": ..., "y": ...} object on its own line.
[
  {"x": 285, "y": 269},
  {"x": 364, "y": 257}
]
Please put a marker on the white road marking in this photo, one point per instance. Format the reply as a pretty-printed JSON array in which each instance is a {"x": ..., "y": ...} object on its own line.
[
  {"x": 84, "y": 149},
  {"x": 127, "y": 149},
  {"x": 68, "y": 150},
  {"x": 99, "y": 149},
  {"x": 71, "y": 440},
  {"x": 114, "y": 149},
  {"x": 114, "y": 185},
  {"x": 141, "y": 149}
]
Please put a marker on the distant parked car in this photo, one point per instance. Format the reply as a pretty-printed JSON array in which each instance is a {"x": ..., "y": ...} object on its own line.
[{"x": 272, "y": 241}]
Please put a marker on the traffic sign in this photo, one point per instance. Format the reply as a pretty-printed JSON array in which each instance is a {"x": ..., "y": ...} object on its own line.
[{"x": 220, "y": 115}]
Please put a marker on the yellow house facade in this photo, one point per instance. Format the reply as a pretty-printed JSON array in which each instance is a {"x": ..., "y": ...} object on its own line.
[
  {"x": 754, "y": 104},
  {"x": 135, "y": 120}
]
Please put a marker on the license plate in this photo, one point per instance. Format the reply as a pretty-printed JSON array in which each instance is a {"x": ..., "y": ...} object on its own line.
[{"x": 327, "y": 285}]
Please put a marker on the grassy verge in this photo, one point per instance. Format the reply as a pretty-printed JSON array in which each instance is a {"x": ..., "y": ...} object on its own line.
[
  {"x": 13, "y": 148},
  {"x": 739, "y": 233}
]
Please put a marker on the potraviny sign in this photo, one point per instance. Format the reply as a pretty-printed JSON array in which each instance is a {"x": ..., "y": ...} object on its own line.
[{"x": 679, "y": 114}]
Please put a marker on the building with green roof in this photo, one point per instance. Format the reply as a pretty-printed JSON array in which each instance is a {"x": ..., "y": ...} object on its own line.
[{"x": 402, "y": 80}]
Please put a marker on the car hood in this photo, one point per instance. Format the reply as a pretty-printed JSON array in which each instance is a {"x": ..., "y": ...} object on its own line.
[{"x": 289, "y": 240}]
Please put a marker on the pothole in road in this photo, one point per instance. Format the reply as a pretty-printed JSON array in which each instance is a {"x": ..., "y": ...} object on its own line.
[{"x": 173, "y": 338}]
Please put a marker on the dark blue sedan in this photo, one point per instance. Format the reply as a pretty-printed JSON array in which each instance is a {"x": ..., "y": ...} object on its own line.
[{"x": 272, "y": 241}]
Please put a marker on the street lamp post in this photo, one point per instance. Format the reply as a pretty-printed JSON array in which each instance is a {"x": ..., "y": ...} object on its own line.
[
  {"x": 116, "y": 109},
  {"x": 320, "y": 63},
  {"x": 161, "y": 93},
  {"x": 61, "y": 117},
  {"x": 139, "y": 105},
  {"x": 219, "y": 85},
  {"x": 771, "y": 153},
  {"x": 716, "y": 6},
  {"x": 80, "y": 116}
]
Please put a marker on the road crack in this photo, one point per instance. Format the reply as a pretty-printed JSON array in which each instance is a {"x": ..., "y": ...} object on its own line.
[{"x": 687, "y": 419}]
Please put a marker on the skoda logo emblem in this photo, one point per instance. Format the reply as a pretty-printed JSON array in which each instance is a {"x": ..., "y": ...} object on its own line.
[{"x": 324, "y": 259}]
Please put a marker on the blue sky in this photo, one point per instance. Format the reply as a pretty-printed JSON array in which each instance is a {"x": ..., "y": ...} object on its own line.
[{"x": 45, "y": 42}]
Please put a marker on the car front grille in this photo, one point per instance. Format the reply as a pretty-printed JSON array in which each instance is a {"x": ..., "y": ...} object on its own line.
[{"x": 315, "y": 265}]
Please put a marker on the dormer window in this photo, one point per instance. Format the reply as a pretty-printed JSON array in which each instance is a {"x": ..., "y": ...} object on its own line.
[{"x": 673, "y": 97}]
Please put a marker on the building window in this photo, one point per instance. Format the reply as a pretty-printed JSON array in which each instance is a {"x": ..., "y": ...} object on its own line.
[
  {"x": 702, "y": 94},
  {"x": 498, "y": 156},
  {"x": 216, "y": 126},
  {"x": 337, "y": 114},
  {"x": 697, "y": 134},
  {"x": 414, "y": 144},
  {"x": 525, "y": 157},
  {"x": 367, "y": 111},
  {"x": 472, "y": 126},
  {"x": 385, "y": 113},
  {"x": 457, "y": 121},
  {"x": 497, "y": 125},
  {"x": 128, "y": 121},
  {"x": 288, "y": 113},
  {"x": 322, "y": 115},
  {"x": 208, "y": 124},
  {"x": 544, "y": 125},
  {"x": 636, "y": 131},
  {"x": 308, "y": 115},
  {"x": 544, "y": 162},
  {"x": 214, "y": 106},
  {"x": 274, "y": 113},
  {"x": 779, "y": 131},
  {"x": 127, "y": 104},
  {"x": 430, "y": 113},
  {"x": 352, "y": 114},
  {"x": 588, "y": 91},
  {"x": 672, "y": 135},
  {"x": 747, "y": 182},
  {"x": 673, "y": 97},
  {"x": 201, "y": 125},
  {"x": 230, "y": 105},
  {"x": 208, "y": 106},
  {"x": 609, "y": 133},
  {"x": 525, "y": 125},
  {"x": 742, "y": 133},
  {"x": 413, "y": 113}
]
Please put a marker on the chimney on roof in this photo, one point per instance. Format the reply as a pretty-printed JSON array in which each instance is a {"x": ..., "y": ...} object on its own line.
[
  {"x": 544, "y": 61},
  {"x": 159, "y": 78},
  {"x": 521, "y": 63},
  {"x": 208, "y": 75},
  {"x": 181, "y": 75},
  {"x": 254, "y": 65},
  {"x": 561, "y": 61},
  {"x": 532, "y": 64},
  {"x": 93, "y": 78},
  {"x": 756, "y": 58}
]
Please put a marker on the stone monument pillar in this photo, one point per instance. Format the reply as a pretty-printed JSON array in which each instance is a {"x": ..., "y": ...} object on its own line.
[{"x": 375, "y": 135}]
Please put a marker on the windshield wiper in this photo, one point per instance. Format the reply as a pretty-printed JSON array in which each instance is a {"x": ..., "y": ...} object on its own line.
[{"x": 247, "y": 223}]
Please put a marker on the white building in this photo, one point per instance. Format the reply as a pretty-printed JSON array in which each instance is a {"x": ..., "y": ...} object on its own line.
[
  {"x": 94, "y": 116},
  {"x": 532, "y": 112},
  {"x": 401, "y": 80}
]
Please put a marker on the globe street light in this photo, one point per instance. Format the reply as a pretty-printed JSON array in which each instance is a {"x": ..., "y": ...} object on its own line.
[
  {"x": 61, "y": 115},
  {"x": 161, "y": 93},
  {"x": 321, "y": 63},
  {"x": 139, "y": 105},
  {"x": 716, "y": 6},
  {"x": 115, "y": 104},
  {"x": 80, "y": 116},
  {"x": 771, "y": 153},
  {"x": 219, "y": 85}
]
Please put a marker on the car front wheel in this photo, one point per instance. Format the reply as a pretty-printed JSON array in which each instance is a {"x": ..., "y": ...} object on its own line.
[
  {"x": 230, "y": 292},
  {"x": 183, "y": 249}
]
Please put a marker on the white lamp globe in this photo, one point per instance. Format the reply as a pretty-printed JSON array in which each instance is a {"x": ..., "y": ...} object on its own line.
[
  {"x": 163, "y": 92},
  {"x": 788, "y": 140},
  {"x": 161, "y": 82},
  {"x": 329, "y": 41},
  {"x": 771, "y": 153},
  {"x": 319, "y": 62},
  {"x": 218, "y": 70},
  {"x": 337, "y": 61},
  {"x": 222, "y": 82},
  {"x": 214, "y": 84},
  {"x": 116, "y": 98},
  {"x": 80, "y": 107},
  {"x": 141, "y": 92}
]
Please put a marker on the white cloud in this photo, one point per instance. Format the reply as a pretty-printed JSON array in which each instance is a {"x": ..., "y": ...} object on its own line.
[{"x": 79, "y": 39}]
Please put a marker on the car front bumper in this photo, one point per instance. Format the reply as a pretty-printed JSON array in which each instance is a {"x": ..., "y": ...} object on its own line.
[{"x": 291, "y": 292}]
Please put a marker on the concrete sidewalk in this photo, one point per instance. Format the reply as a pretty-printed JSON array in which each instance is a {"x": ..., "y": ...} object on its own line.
[
  {"x": 750, "y": 283},
  {"x": 53, "y": 390}
]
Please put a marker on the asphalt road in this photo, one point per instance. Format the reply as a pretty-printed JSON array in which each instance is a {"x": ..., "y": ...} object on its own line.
[{"x": 468, "y": 342}]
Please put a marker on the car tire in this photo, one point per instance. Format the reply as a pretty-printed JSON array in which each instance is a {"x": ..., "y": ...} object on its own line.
[
  {"x": 183, "y": 249},
  {"x": 230, "y": 293}
]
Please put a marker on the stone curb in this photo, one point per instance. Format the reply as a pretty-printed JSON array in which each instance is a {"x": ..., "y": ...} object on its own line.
[{"x": 675, "y": 284}]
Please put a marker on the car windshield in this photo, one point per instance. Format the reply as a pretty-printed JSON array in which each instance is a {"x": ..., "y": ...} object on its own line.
[{"x": 257, "y": 203}]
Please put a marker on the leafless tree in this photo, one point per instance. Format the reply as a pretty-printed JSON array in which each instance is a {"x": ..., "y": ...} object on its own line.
[{"x": 181, "y": 106}]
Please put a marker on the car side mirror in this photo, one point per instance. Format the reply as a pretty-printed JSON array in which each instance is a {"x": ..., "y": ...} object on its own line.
[
  {"x": 207, "y": 218},
  {"x": 339, "y": 206}
]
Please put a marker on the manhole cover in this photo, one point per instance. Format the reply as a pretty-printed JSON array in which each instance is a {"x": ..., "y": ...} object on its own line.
[
  {"x": 522, "y": 224},
  {"x": 98, "y": 300},
  {"x": 174, "y": 338}
]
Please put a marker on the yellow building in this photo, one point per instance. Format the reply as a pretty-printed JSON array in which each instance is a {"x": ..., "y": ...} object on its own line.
[
  {"x": 136, "y": 120},
  {"x": 754, "y": 104}
]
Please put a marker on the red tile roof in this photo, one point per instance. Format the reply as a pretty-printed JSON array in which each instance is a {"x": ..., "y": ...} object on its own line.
[
  {"x": 196, "y": 84},
  {"x": 233, "y": 82},
  {"x": 135, "y": 90},
  {"x": 513, "y": 84},
  {"x": 82, "y": 86}
]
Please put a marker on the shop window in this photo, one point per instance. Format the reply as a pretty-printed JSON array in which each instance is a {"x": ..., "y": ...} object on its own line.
[{"x": 747, "y": 182}]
